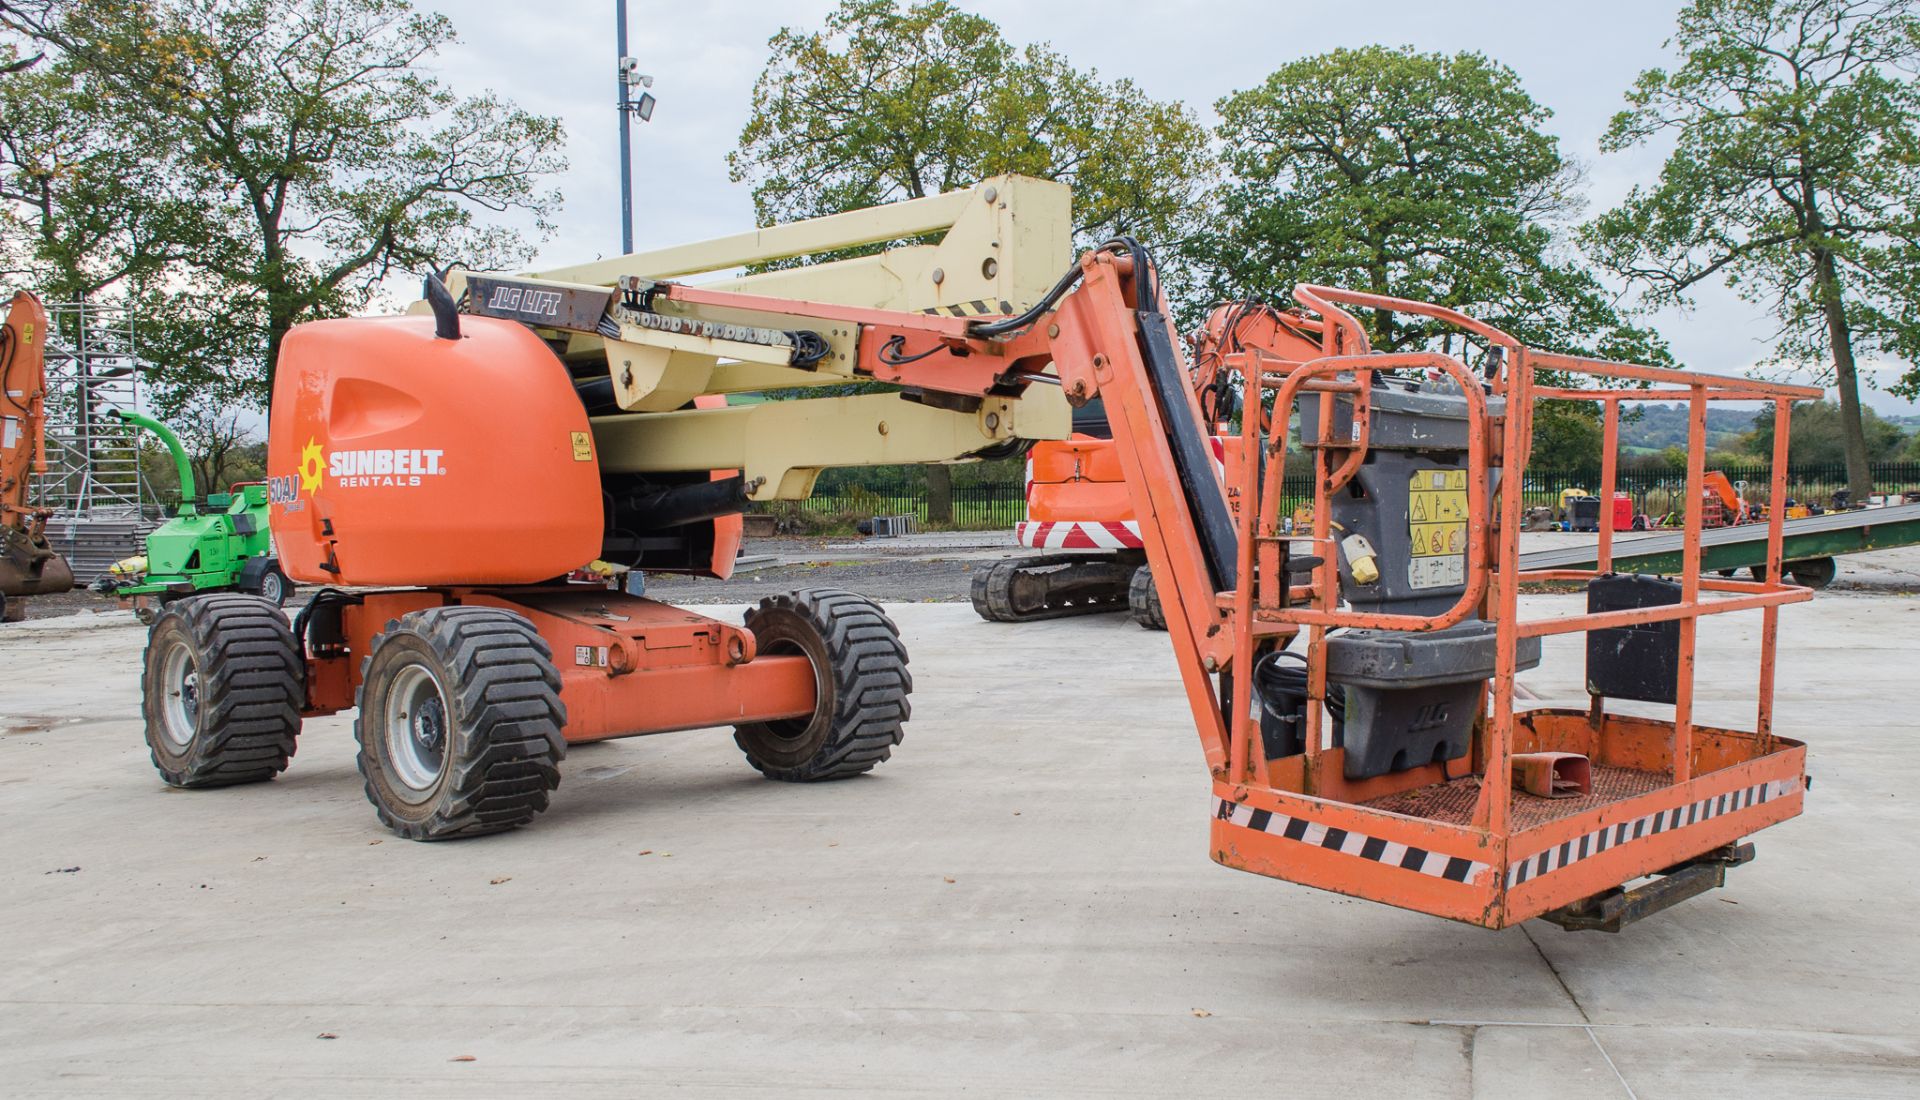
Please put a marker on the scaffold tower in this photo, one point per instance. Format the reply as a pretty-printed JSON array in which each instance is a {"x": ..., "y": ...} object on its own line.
[{"x": 93, "y": 460}]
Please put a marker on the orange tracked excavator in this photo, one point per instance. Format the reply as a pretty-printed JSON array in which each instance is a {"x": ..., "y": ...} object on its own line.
[
  {"x": 1352, "y": 686},
  {"x": 28, "y": 566}
]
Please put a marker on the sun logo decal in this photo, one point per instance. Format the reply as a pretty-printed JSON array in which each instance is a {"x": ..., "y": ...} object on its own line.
[{"x": 313, "y": 463}]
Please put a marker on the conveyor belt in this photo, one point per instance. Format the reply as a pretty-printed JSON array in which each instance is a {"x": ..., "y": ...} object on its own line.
[{"x": 1851, "y": 532}]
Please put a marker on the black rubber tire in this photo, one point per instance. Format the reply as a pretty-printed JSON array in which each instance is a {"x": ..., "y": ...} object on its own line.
[
  {"x": 243, "y": 704},
  {"x": 860, "y": 674},
  {"x": 275, "y": 586},
  {"x": 1143, "y": 601},
  {"x": 501, "y": 744},
  {"x": 1813, "y": 573}
]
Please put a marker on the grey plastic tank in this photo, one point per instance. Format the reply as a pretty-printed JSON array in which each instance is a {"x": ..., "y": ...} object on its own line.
[{"x": 1411, "y": 697}]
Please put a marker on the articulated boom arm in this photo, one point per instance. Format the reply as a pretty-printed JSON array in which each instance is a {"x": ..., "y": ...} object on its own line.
[{"x": 23, "y": 393}]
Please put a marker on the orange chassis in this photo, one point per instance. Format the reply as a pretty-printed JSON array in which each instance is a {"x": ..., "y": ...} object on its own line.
[{"x": 628, "y": 665}]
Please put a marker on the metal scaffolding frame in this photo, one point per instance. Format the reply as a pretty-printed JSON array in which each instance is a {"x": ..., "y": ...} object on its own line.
[{"x": 93, "y": 460}]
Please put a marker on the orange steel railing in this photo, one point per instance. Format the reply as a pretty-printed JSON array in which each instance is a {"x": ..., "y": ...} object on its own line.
[{"x": 1265, "y": 604}]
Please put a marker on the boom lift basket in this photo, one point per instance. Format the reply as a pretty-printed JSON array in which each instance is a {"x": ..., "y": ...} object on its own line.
[{"x": 1452, "y": 836}]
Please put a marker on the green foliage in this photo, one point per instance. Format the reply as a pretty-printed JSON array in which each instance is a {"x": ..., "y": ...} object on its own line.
[
  {"x": 1566, "y": 436},
  {"x": 1418, "y": 175},
  {"x": 1818, "y": 435},
  {"x": 1796, "y": 158},
  {"x": 82, "y": 205},
  {"x": 291, "y": 154},
  {"x": 887, "y": 103}
]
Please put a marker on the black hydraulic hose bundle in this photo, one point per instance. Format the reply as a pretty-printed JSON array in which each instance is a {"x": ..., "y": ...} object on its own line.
[
  {"x": 1192, "y": 454},
  {"x": 1282, "y": 692}
]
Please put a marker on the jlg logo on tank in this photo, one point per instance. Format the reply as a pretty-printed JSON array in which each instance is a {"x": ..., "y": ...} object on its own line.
[{"x": 372, "y": 468}]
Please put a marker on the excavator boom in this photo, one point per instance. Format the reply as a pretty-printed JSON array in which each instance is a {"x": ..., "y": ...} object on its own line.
[{"x": 28, "y": 565}]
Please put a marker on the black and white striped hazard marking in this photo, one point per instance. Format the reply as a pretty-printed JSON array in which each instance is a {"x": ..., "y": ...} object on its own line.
[
  {"x": 1626, "y": 832},
  {"x": 975, "y": 308},
  {"x": 1436, "y": 864}
]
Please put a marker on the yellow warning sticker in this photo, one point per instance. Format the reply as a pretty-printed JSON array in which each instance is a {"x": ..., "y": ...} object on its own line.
[
  {"x": 582, "y": 447},
  {"x": 1437, "y": 526}
]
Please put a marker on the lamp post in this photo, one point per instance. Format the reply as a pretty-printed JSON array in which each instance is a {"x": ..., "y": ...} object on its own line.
[{"x": 628, "y": 78}]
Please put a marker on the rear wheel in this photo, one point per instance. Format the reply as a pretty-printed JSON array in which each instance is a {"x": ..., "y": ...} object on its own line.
[
  {"x": 274, "y": 585},
  {"x": 860, "y": 679},
  {"x": 1143, "y": 600},
  {"x": 459, "y": 723},
  {"x": 1813, "y": 572},
  {"x": 221, "y": 691}
]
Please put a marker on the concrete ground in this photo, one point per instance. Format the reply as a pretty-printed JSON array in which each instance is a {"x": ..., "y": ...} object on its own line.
[{"x": 1019, "y": 903}]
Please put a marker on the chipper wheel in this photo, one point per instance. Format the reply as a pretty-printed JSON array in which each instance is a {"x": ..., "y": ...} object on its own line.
[
  {"x": 459, "y": 723},
  {"x": 1143, "y": 601},
  {"x": 860, "y": 675},
  {"x": 221, "y": 691}
]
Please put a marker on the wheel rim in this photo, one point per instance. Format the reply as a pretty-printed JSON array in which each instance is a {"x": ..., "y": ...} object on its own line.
[
  {"x": 270, "y": 587},
  {"x": 416, "y": 728},
  {"x": 794, "y": 732},
  {"x": 180, "y": 680}
]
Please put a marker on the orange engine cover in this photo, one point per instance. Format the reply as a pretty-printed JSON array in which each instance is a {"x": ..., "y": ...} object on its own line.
[
  {"x": 396, "y": 457},
  {"x": 1077, "y": 479}
]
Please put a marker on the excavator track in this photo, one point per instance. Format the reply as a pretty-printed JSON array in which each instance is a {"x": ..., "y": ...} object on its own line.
[{"x": 1052, "y": 586}]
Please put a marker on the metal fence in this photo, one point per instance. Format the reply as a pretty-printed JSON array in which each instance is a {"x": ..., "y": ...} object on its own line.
[
  {"x": 1662, "y": 489},
  {"x": 993, "y": 495}
]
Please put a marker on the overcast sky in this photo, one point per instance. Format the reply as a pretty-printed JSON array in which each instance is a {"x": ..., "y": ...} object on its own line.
[{"x": 558, "y": 56}]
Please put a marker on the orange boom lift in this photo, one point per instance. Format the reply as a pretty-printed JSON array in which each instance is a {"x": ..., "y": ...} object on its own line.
[{"x": 450, "y": 454}]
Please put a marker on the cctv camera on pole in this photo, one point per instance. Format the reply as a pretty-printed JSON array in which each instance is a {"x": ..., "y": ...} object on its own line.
[{"x": 629, "y": 77}]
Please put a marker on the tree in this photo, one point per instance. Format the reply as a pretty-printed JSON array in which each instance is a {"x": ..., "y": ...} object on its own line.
[
  {"x": 886, "y": 104},
  {"x": 1414, "y": 174},
  {"x": 1796, "y": 130},
  {"x": 82, "y": 207},
  {"x": 1819, "y": 435},
  {"x": 1564, "y": 442},
  {"x": 318, "y": 154}
]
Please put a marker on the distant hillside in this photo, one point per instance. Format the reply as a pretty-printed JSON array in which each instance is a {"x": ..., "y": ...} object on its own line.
[{"x": 1657, "y": 427}]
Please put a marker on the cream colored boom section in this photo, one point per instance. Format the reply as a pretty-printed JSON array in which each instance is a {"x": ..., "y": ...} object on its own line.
[
  {"x": 781, "y": 446},
  {"x": 1006, "y": 239},
  {"x": 1002, "y": 244}
]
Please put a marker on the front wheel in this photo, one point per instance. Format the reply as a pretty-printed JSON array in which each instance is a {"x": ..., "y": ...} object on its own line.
[
  {"x": 459, "y": 723},
  {"x": 274, "y": 585},
  {"x": 860, "y": 679},
  {"x": 221, "y": 691}
]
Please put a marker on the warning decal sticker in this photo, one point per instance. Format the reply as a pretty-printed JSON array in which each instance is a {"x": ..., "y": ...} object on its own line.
[{"x": 1437, "y": 524}]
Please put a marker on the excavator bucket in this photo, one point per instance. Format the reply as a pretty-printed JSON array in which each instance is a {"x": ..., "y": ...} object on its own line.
[{"x": 28, "y": 566}]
